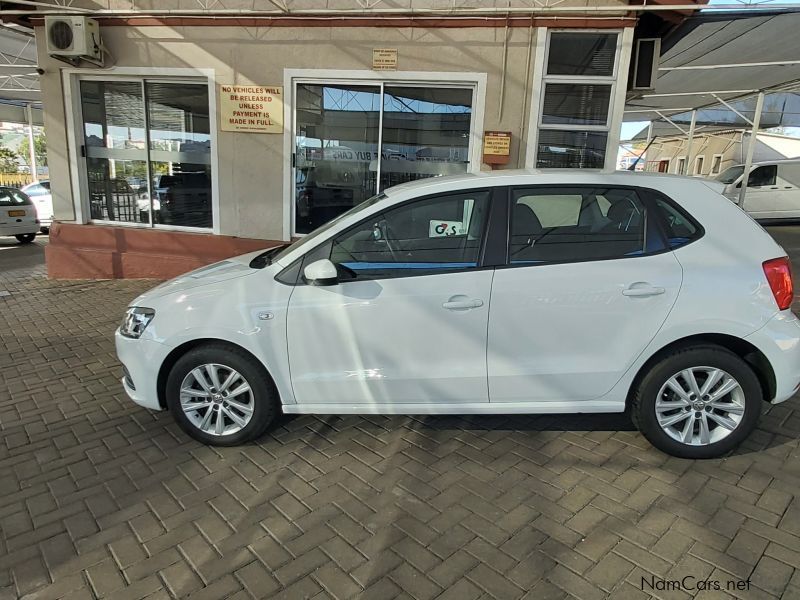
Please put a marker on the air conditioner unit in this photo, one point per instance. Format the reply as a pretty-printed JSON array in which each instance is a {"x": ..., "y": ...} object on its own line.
[
  {"x": 73, "y": 37},
  {"x": 645, "y": 63}
]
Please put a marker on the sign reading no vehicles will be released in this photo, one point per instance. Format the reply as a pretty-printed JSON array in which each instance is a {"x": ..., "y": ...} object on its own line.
[{"x": 251, "y": 108}]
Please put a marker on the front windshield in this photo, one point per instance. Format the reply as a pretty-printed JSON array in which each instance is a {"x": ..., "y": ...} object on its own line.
[
  {"x": 730, "y": 174},
  {"x": 319, "y": 231}
]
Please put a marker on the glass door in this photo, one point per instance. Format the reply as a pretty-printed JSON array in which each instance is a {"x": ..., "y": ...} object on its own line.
[
  {"x": 353, "y": 140},
  {"x": 337, "y": 131}
]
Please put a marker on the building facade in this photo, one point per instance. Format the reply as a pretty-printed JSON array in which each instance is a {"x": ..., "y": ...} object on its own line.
[
  {"x": 206, "y": 137},
  {"x": 711, "y": 153}
]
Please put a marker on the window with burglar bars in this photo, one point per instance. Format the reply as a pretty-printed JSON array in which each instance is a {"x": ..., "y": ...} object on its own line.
[{"x": 577, "y": 97}]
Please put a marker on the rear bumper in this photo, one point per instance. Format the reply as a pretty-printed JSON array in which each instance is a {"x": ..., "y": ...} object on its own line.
[
  {"x": 20, "y": 229},
  {"x": 779, "y": 340},
  {"x": 142, "y": 360}
]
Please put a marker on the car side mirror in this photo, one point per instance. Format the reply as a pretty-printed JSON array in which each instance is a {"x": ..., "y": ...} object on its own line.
[{"x": 321, "y": 272}]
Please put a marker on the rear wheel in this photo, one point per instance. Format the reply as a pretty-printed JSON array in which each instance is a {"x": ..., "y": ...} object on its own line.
[
  {"x": 221, "y": 396},
  {"x": 698, "y": 402},
  {"x": 25, "y": 238}
]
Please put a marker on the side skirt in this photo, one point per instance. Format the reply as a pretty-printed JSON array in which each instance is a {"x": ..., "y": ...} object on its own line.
[{"x": 484, "y": 408}]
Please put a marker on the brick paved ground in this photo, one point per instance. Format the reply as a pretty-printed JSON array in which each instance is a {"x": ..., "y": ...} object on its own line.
[{"x": 99, "y": 498}]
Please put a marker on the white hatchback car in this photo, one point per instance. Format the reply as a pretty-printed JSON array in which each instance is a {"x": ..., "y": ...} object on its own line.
[
  {"x": 18, "y": 215},
  {"x": 515, "y": 292}
]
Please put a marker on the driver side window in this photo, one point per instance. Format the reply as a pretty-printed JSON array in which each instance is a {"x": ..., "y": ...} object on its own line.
[{"x": 419, "y": 237}]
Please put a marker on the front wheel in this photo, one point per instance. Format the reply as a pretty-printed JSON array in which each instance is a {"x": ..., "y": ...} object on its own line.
[
  {"x": 221, "y": 396},
  {"x": 697, "y": 402},
  {"x": 25, "y": 238}
]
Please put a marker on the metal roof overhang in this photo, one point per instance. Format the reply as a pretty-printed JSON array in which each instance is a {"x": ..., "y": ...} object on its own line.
[
  {"x": 716, "y": 63},
  {"x": 19, "y": 81}
]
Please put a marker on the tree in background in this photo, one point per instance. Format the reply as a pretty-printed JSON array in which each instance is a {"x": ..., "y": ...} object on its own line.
[
  {"x": 9, "y": 160},
  {"x": 39, "y": 146}
]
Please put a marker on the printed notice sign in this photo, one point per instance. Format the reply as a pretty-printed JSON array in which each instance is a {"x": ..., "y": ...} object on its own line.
[
  {"x": 251, "y": 108},
  {"x": 497, "y": 143},
  {"x": 384, "y": 59},
  {"x": 496, "y": 147}
]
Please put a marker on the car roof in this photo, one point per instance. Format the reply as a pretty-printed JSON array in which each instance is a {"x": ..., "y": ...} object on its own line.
[
  {"x": 782, "y": 161},
  {"x": 543, "y": 177}
]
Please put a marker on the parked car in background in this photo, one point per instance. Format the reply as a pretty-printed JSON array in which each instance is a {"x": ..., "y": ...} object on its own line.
[
  {"x": 18, "y": 215},
  {"x": 39, "y": 192},
  {"x": 513, "y": 292},
  {"x": 773, "y": 188}
]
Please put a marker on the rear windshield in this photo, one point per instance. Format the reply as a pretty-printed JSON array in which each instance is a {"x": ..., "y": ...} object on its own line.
[
  {"x": 730, "y": 174},
  {"x": 13, "y": 198}
]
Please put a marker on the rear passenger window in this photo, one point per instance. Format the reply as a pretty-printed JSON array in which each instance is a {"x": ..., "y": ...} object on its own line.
[
  {"x": 576, "y": 224},
  {"x": 680, "y": 230}
]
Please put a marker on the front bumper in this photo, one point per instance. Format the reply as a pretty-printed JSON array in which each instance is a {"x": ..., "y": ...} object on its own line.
[
  {"x": 779, "y": 340},
  {"x": 142, "y": 360}
]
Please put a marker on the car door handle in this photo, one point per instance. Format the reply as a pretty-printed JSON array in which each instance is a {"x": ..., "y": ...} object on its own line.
[
  {"x": 454, "y": 304},
  {"x": 647, "y": 290}
]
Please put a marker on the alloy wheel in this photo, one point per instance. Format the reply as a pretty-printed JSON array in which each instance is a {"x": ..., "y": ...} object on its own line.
[
  {"x": 217, "y": 399},
  {"x": 699, "y": 406}
]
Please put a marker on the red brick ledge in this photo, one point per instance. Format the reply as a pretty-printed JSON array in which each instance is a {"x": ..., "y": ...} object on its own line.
[{"x": 108, "y": 252}]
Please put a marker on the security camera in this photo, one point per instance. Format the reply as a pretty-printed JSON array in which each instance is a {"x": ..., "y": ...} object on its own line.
[{"x": 40, "y": 70}]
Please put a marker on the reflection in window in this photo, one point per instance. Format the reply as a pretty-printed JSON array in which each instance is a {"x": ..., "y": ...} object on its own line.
[
  {"x": 176, "y": 189},
  {"x": 425, "y": 133},
  {"x": 336, "y": 150},
  {"x": 114, "y": 138},
  {"x": 180, "y": 153},
  {"x": 337, "y": 161},
  {"x": 571, "y": 149}
]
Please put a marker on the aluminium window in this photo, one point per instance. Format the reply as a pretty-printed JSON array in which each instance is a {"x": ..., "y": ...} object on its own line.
[
  {"x": 147, "y": 145},
  {"x": 680, "y": 165},
  {"x": 577, "y": 90}
]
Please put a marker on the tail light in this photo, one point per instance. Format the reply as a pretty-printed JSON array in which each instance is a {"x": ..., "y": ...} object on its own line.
[{"x": 779, "y": 276}]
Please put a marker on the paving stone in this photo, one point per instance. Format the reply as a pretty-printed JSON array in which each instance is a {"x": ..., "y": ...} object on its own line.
[{"x": 102, "y": 498}]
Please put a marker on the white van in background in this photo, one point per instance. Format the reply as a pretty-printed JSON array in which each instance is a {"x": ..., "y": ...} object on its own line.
[{"x": 773, "y": 188}]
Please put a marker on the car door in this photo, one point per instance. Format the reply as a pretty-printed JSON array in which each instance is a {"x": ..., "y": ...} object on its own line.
[
  {"x": 764, "y": 199},
  {"x": 587, "y": 286},
  {"x": 406, "y": 322}
]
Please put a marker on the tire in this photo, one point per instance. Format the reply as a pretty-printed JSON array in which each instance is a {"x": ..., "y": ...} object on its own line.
[
  {"x": 730, "y": 417},
  {"x": 191, "y": 410},
  {"x": 44, "y": 230},
  {"x": 25, "y": 238}
]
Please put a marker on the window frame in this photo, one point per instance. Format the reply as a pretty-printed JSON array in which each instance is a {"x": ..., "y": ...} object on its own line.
[
  {"x": 680, "y": 167},
  {"x": 713, "y": 158},
  {"x": 655, "y": 225},
  {"x": 699, "y": 163},
  {"x": 617, "y": 94},
  {"x": 71, "y": 80},
  {"x": 496, "y": 224}
]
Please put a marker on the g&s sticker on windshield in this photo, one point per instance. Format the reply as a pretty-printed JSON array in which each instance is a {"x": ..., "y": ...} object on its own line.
[{"x": 445, "y": 228}]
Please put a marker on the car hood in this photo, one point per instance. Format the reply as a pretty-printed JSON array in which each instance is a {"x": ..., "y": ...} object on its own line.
[{"x": 224, "y": 270}]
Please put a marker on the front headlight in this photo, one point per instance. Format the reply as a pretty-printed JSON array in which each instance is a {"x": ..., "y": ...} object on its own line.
[{"x": 136, "y": 319}]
